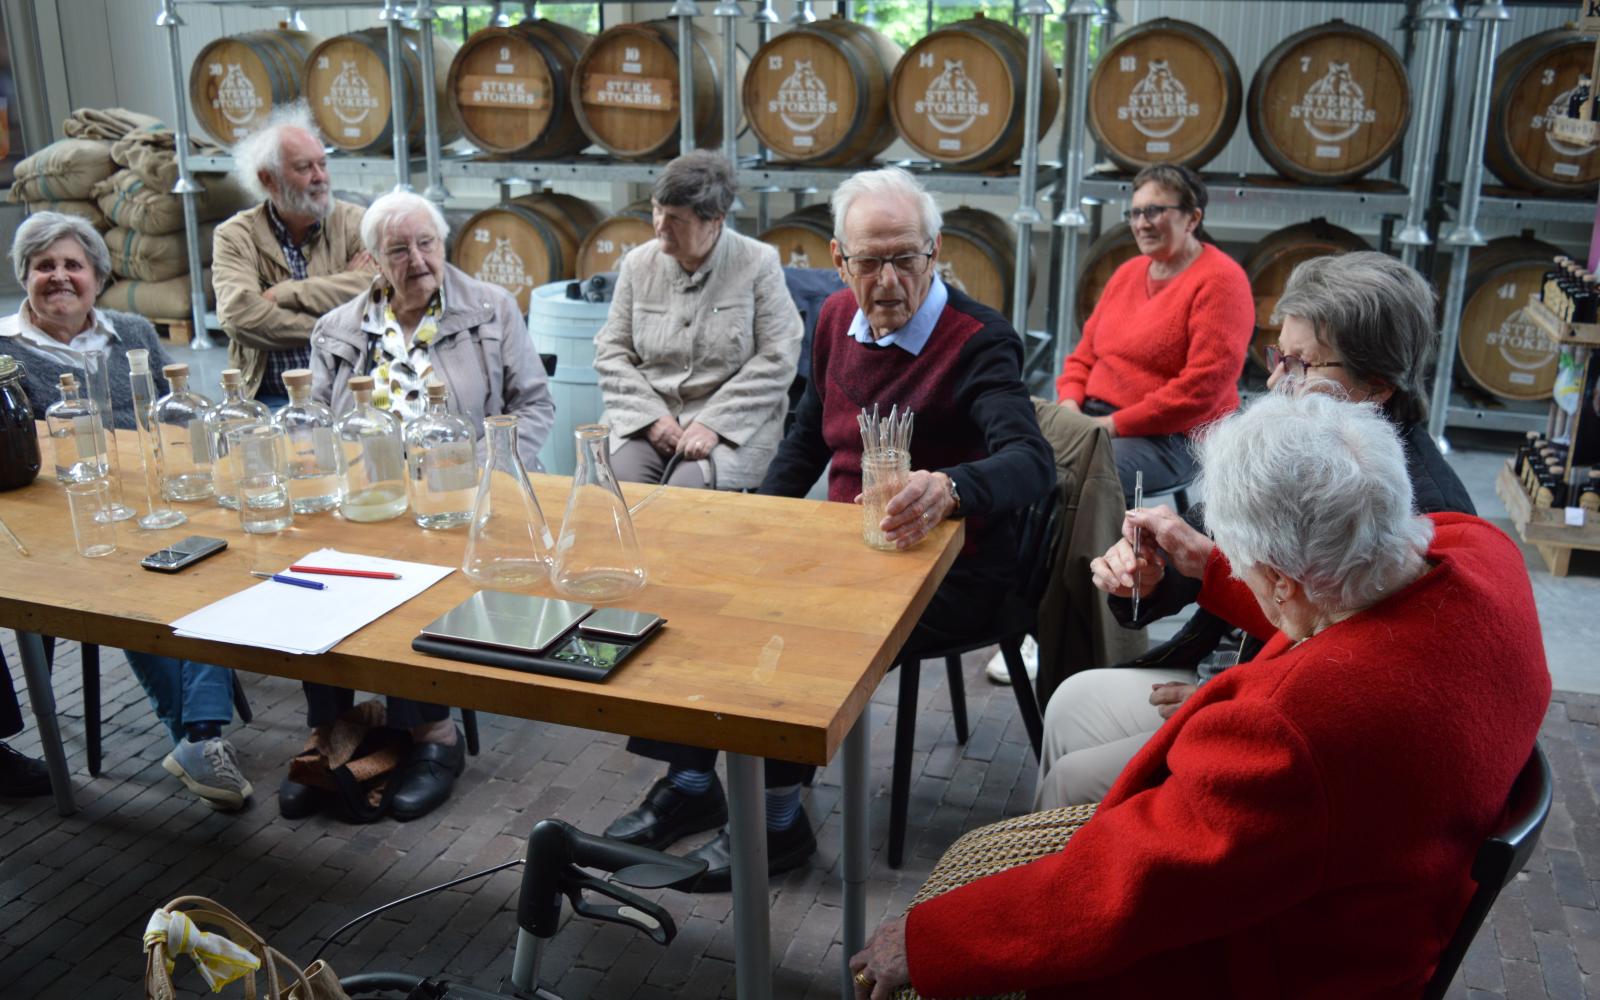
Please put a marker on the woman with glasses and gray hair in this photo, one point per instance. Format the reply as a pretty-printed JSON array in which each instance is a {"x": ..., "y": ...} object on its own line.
[
  {"x": 1305, "y": 825},
  {"x": 1357, "y": 325},
  {"x": 699, "y": 348},
  {"x": 1162, "y": 352}
]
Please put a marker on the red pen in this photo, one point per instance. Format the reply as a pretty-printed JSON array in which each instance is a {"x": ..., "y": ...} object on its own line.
[{"x": 333, "y": 571}]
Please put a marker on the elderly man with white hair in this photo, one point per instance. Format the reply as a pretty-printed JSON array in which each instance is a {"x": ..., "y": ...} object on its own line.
[
  {"x": 897, "y": 335},
  {"x": 281, "y": 265}
]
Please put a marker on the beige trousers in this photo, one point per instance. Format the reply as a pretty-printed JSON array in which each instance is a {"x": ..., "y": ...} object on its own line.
[{"x": 1095, "y": 722}]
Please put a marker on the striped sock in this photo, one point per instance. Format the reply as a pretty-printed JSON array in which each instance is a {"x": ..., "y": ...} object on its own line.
[
  {"x": 690, "y": 782},
  {"x": 783, "y": 805}
]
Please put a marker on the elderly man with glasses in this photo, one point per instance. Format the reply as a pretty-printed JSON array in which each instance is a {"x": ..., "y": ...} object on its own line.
[{"x": 896, "y": 336}]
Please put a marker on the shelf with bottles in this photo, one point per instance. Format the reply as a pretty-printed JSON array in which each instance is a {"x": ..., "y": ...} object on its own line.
[
  {"x": 1550, "y": 529},
  {"x": 1581, "y": 334}
]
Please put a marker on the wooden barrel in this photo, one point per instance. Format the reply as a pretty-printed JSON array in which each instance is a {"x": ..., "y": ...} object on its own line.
[
  {"x": 819, "y": 93},
  {"x": 959, "y": 94},
  {"x": 1533, "y": 81},
  {"x": 608, "y": 242},
  {"x": 512, "y": 89},
  {"x": 627, "y": 92},
  {"x": 979, "y": 257},
  {"x": 803, "y": 237},
  {"x": 1268, "y": 265},
  {"x": 236, "y": 82},
  {"x": 1110, "y": 250},
  {"x": 1166, "y": 90},
  {"x": 526, "y": 242},
  {"x": 1500, "y": 348},
  {"x": 347, "y": 86},
  {"x": 1329, "y": 104}
]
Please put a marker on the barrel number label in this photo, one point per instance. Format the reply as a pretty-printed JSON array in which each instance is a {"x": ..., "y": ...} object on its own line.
[
  {"x": 631, "y": 61},
  {"x": 503, "y": 266},
  {"x": 952, "y": 102},
  {"x": 236, "y": 95},
  {"x": 1335, "y": 107},
  {"x": 647, "y": 93},
  {"x": 348, "y": 96},
  {"x": 1158, "y": 104},
  {"x": 1546, "y": 123},
  {"x": 802, "y": 101}
]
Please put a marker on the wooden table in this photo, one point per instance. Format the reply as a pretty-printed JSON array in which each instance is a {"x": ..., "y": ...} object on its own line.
[{"x": 781, "y": 624}]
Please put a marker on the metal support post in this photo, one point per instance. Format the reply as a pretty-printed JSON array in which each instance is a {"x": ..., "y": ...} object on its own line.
[
  {"x": 1027, "y": 215},
  {"x": 292, "y": 19},
  {"x": 186, "y": 189},
  {"x": 765, "y": 17},
  {"x": 685, "y": 11},
  {"x": 803, "y": 13},
  {"x": 729, "y": 11},
  {"x": 1434, "y": 18},
  {"x": 41, "y": 695},
  {"x": 747, "y": 841},
  {"x": 436, "y": 191},
  {"x": 1080, "y": 15},
  {"x": 854, "y": 861},
  {"x": 392, "y": 16},
  {"x": 1491, "y": 15}
]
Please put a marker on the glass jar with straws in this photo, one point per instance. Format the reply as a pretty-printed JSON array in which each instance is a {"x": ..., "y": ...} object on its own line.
[{"x": 885, "y": 468}]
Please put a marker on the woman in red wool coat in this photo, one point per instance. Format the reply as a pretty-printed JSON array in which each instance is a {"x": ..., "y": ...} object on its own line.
[
  {"x": 1305, "y": 825},
  {"x": 1162, "y": 352}
]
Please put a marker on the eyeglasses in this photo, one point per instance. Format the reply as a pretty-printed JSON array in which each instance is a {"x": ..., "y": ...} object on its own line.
[
  {"x": 400, "y": 252},
  {"x": 1292, "y": 366},
  {"x": 1149, "y": 213},
  {"x": 909, "y": 264}
]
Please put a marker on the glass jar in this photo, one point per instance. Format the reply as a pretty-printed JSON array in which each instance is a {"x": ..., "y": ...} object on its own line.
[
  {"x": 441, "y": 464},
  {"x": 179, "y": 421},
  {"x": 76, "y": 435},
  {"x": 510, "y": 542},
  {"x": 314, "y": 482},
  {"x": 884, "y": 473},
  {"x": 19, "y": 440},
  {"x": 232, "y": 413},
  {"x": 372, "y": 462},
  {"x": 597, "y": 556}
]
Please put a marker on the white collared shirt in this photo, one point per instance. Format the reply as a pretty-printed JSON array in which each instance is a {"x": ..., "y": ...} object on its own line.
[{"x": 97, "y": 337}]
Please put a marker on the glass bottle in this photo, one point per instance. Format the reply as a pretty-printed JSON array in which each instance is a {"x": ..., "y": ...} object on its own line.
[
  {"x": 1589, "y": 497},
  {"x": 19, "y": 441},
  {"x": 75, "y": 434},
  {"x": 441, "y": 463},
  {"x": 142, "y": 387},
  {"x": 510, "y": 542},
  {"x": 314, "y": 481},
  {"x": 597, "y": 558},
  {"x": 372, "y": 461},
  {"x": 97, "y": 389},
  {"x": 179, "y": 421},
  {"x": 234, "y": 411}
]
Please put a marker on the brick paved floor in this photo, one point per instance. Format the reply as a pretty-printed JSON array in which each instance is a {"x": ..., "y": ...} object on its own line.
[{"x": 75, "y": 892}]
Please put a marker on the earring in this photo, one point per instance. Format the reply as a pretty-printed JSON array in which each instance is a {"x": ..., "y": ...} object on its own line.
[{"x": 1278, "y": 599}]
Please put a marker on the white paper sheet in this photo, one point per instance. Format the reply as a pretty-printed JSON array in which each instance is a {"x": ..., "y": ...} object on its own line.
[{"x": 291, "y": 619}]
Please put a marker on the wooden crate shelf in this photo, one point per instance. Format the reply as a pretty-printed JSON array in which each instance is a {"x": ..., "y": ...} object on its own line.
[
  {"x": 1583, "y": 334},
  {"x": 1545, "y": 528}
]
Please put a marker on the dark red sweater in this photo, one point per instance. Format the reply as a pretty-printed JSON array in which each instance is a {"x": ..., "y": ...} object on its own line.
[
  {"x": 1169, "y": 363},
  {"x": 1304, "y": 826}
]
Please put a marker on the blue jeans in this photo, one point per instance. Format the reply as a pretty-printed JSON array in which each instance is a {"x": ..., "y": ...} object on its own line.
[{"x": 183, "y": 692}]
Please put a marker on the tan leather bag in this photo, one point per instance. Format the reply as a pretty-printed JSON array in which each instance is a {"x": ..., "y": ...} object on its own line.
[{"x": 316, "y": 982}]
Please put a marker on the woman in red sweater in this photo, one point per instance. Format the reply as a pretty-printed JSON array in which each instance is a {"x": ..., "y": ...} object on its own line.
[
  {"x": 1163, "y": 349},
  {"x": 1305, "y": 825}
]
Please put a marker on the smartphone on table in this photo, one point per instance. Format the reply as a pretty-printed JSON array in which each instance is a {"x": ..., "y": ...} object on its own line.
[{"x": 183, "y": 554}]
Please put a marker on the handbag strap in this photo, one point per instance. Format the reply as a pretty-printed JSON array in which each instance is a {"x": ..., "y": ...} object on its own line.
[{"x": 205, "y": 910}]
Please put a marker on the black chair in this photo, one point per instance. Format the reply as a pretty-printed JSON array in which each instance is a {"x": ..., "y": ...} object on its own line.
[
  {"x": 1502, "y": 856},
  {"x": 1017, "y": 618}
]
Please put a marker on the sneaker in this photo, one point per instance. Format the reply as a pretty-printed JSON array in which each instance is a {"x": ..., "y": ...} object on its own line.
[
  {"x": 210, "y": 769},
  {"x": 996, "y": 670}
]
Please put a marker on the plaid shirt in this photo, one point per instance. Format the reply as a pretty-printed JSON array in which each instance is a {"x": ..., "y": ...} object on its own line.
[{"x": 279, "y": 362}]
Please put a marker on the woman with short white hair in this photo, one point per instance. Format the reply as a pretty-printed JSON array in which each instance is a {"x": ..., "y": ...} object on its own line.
[{"x": 1306, "y": 824}]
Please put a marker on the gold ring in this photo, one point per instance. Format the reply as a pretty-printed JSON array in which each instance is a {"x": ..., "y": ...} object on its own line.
[
  {"x": 927, "y": 520},
  {"x": 862, "y": 980}
]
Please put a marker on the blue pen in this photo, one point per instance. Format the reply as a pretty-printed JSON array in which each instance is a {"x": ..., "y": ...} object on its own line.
[{"x": 292, "y": 580}]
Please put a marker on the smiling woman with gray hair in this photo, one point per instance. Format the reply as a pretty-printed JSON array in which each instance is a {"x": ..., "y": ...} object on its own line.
[{"x": 1306, "y": 824}]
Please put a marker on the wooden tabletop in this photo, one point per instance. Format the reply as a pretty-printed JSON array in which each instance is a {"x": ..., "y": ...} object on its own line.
[{"x": 781, "y": 622}]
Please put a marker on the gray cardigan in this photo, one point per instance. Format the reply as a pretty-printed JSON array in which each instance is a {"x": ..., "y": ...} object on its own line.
[{"x": 42, "y": 373}]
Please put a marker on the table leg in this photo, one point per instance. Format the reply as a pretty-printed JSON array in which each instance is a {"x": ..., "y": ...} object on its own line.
[
  {"x": 855, "y": 842},
  {"x": 42, "y": 697},
  {"x": 747, "y": 833}
]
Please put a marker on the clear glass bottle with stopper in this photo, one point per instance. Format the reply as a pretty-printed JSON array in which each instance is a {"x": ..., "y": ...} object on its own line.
[
  {"x": 597, "y": 558},
  {"x": 510, "y": 541},
  {"x": 97, "y": 388},
  {"x": 314, "y": 481},
  {"x": 372, "y": 462},
  {"x": 232, "y": 412},
  {"x": 179, "y": 420},
  {"x": 441, "y": 464},
  {"x": 142, "y": 385},
  {"x": 76, "y": 434}
]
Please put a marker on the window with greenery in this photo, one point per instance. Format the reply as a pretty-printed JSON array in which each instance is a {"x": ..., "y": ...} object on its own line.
[{"x": 458, "y": 21}]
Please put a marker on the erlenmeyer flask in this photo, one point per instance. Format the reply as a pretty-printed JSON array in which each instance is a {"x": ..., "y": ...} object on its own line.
[
  {"x": 597, "y": 558},
  {"x": 510, "y": 543}
]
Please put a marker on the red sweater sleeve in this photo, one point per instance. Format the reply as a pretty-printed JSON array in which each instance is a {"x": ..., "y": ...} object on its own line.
[
  {"x": 1234, "y": 834},
  {"x": 1221, "y": 322},
  {"x": 1231, "y": 599}
]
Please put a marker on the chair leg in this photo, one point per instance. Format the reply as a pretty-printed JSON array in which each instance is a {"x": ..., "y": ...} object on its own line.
[
  {"x": 1027, "y": 704},
  {"x": 91, "y": 705},
  {"x": 469, "y": 724},
  {"x": 1180, "y": 500},
  {"x": 958, "y": 696},
  {"x": 905, "y": 732},
  {"x": 241, "y": 704}
]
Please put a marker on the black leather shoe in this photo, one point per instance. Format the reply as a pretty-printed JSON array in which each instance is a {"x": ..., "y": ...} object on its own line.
[
  {"x": 22, "y": 777},
  {"x": 425, "y": 779},
  {"x": 667, "y": 815},
  {"x": 296, "y": 801},
  {"x": 786, "y": 850}
]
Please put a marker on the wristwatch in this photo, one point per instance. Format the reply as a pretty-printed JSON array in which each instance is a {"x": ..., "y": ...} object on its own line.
[{"x": 955, "y": 495}]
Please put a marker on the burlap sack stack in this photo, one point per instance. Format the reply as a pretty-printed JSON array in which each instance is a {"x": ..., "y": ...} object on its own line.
[{"x": 61, "y": 178}]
